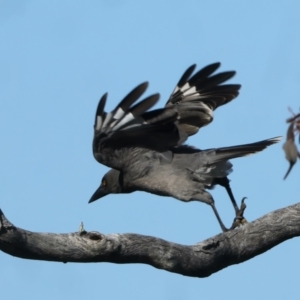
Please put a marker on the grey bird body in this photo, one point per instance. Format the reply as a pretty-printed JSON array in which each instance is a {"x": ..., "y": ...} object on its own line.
[
  {"x": 185, "y": 177},
  {"x": 145, "y": 148}
]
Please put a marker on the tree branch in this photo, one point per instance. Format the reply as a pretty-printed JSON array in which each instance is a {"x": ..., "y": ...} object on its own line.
[{"x": 199, "y": 260}]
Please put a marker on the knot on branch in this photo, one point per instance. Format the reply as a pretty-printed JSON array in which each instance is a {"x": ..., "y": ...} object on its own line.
[
  {"x": 92, "y": 235},
  {"x": 211, "y": 245}
]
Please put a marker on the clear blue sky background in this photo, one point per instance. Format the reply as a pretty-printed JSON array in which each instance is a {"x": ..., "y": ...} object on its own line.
[{"x": 57, "y": 59}]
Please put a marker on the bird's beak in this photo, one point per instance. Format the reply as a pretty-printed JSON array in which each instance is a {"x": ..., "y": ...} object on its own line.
[{"x": 98, "y": 194}]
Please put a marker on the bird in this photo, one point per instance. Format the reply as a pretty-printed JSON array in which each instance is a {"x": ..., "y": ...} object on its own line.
[
  {"x": 146, "y": 149},
  {"x": 290, "y": 149},
  {"x": 196, "y": 97}
]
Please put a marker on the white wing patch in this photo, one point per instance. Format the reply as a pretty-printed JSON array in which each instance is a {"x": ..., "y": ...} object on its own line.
[
  {"x": 190, "y": 91},
  {"x": 99, "y": 123},
  {"x": 127, "y": 118},
  {"x": 119, "y": 113},
  {"x": 107, "y": 119},
  {"x": 185, "y": 87}
]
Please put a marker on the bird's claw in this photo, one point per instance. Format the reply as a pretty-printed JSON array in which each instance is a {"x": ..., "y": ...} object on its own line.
[{"x": 239, "y": 219}]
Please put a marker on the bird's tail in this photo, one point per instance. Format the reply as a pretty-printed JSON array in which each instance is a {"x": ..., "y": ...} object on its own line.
[
  {"x": 213, "y": 163},
  {"x": 242, "y": 150}
]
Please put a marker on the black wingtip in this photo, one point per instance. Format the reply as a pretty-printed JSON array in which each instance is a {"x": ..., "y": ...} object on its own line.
[
  {"x": 100, "y": 107},
  {"x": 144, "y": 105},
  {"x": 274, "y": 140},
  {"x": 204, "y": 72},
  {"x": 131, "y": 97},
  {"x": 101, "y": 104},
  {"x": 186, "y": 75}
]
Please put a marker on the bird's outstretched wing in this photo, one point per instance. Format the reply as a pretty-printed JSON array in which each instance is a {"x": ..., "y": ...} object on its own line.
[
  {"x": 196, "y": 96},
  {"x": 130, "y": 126}
]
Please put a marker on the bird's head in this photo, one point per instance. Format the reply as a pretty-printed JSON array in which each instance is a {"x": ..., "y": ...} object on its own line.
[{"x": 111, "y": 183}]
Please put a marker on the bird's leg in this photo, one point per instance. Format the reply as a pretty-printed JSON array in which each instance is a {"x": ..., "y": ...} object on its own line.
[
  {"x": 225, "y": 183},
  {"x": 239, "y": 212},
  {"x": 224, "y": 229}
]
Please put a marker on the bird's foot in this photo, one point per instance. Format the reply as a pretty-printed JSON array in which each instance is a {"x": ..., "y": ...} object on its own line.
[{"x": 239, "y": 219}]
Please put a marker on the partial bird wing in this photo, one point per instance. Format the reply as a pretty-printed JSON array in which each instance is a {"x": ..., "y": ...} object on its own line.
[
  {"x": 130, "y": 126},
  {"x": 196, "y": 96}
]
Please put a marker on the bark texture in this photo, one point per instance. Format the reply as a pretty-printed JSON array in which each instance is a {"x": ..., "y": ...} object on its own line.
[{"x": 199, "y": 260}]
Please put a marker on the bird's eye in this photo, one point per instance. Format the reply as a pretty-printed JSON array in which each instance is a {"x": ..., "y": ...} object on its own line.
[{"x": 104, "y": 183}]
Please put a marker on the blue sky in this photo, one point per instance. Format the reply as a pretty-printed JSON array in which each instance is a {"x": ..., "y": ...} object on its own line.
[{"x": 57, "y": 59}]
